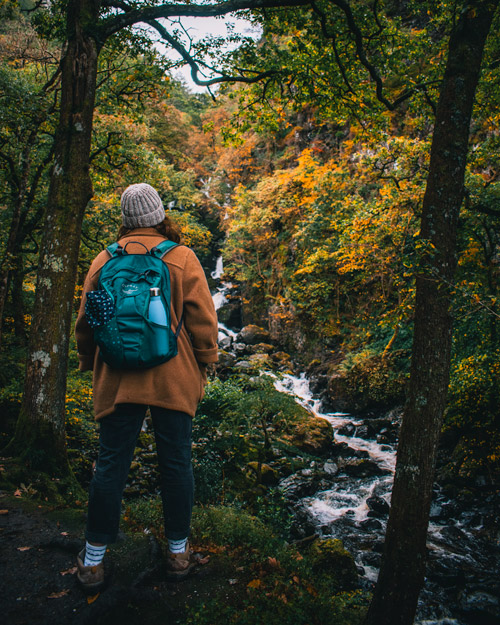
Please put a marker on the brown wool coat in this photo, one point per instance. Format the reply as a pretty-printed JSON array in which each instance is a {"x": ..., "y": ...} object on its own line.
[{"x": 177, "y": 384}]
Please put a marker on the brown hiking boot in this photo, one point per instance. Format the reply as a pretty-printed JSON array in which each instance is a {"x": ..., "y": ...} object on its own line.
[
  {"x": 180, "y": 565},
  {"x": 90, "y": 577}
]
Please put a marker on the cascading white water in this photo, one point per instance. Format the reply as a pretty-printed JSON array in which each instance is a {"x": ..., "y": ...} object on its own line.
[
  {"x": 219, "y": 269},
  {"x": 344, "y": 499},
  {"x": 341, "y": 511},
  {"x": 219, "y": 297}
]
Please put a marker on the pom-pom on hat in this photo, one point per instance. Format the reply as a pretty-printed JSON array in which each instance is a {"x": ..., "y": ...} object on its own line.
[{"x": 141, "y": 206}]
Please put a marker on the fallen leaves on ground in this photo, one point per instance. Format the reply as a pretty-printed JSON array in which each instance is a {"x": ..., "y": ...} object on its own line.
[
  {"x": 201, "y": 560},
  {"x": 58, "y": 595},
  {"x": 92, "y": 598},
  {"x": 23, "y": 548},
  {"x": 70, "y": 571},
  {"x": 4, "y": 512}
]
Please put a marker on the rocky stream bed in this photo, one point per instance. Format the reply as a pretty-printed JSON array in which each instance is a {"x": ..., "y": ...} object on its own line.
[{"x": 345, "y": 493}]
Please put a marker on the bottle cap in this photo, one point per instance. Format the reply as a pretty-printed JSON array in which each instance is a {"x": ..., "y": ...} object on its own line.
[{"x": 155, "y": 291}]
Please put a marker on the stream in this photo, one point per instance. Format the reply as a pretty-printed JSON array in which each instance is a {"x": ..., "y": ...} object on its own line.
[{"x": 352, "y": 503}]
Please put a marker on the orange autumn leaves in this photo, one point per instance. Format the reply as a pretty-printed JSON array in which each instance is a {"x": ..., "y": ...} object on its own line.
[{"x": 312, "y": 234}]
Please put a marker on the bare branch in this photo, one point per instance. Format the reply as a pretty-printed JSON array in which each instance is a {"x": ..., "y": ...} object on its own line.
[{"x": 195, "y": 65}]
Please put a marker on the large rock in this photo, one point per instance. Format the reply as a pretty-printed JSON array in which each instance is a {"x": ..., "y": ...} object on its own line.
[
  {"x": 252, "y": 334},
  {"x": 282, "y": 360},
  {"x": 378, "y": 506},
  {"x": 268, "y": 475},
  {"x": 362, "y": 468},
  {"x": 330, "y": 557},
  {"x": 261, "y": 348},
  {"x": 296, "y": 487},
  {"x": 314, "y": 436},
  {"x": 480, "y": 605},
  {"x": 230, "y": 314}
]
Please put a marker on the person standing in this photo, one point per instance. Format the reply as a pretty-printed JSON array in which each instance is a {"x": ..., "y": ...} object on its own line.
[{"x": 171, "y": 391}]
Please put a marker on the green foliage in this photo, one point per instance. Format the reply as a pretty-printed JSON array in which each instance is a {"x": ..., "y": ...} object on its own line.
[
  {"x": 372, "y": 381},
  {"x": 272, "y": 509},
  {"x": 281, "y": 586},
  {"x": 244, "y": 441},
  {"x": 144, "y": 514},
  {"x": 474, "y": 397}
]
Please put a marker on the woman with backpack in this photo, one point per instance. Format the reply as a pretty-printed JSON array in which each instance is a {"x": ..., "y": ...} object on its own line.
[{"x": 122, "y": 394}]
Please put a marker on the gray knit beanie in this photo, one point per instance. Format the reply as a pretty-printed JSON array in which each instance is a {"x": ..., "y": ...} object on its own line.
[{"x": 141, "y": 206}]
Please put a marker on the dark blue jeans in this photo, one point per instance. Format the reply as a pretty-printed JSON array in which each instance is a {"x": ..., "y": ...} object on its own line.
[{"x": 118, "y": 436}]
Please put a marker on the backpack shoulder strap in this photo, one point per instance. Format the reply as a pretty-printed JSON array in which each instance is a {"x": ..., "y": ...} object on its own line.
[
  {"x": 162, "y": 248},
  {"x": 115, "y": 249}
]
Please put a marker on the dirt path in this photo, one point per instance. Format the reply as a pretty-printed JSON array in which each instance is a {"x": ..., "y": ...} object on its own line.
[{"x": 38, "y": 584}]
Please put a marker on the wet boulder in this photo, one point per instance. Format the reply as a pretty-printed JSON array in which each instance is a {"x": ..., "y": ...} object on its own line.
[
  {"x": 230, "y": 313},
  {"x": 380, "y": 425},
  {"x": 225, "y": 343},
  {"x": 342, "y": 450},
  {"x": 296, "y": 486},
  {"x": 252, "y": 334},
  {"x": 348, "y": 429},
  {"x": 481, "y": 605},
  {"x": 318, "y": 383},
  {"x": 371, "y": 525},
  {"x": 365, "y": 431},
  {"x": 362, "y": 468},
  {"x": 378, "y": 506}
]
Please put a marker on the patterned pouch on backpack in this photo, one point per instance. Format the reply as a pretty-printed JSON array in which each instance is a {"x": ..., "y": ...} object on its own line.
[{"x": 99, "y": 308}]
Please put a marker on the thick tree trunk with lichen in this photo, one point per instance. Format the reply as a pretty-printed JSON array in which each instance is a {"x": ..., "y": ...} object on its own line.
[
  {"x": 40, "y": 431},
  {"x": 403, "y": 565}
]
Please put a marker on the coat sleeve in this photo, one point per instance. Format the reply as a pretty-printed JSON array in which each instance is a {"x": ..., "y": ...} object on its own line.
[
  {"x": 200, "y": 318},
  {"x": 83, "y": 332}
]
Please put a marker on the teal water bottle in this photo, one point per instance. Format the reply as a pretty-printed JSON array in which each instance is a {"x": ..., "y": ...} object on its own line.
[{"x": 158, "y": 315}]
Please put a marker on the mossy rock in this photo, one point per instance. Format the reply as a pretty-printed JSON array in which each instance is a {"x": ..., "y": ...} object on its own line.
[
  {"x": 313, "y": 435},
  {"x": 330, "y": 558},
  {"x": 262, "y": 348},
  {"x": 281, "y": 359},
  {"x": 268, "y": 475},
  {"x": 260, "y": 360},
  {"x": 252, "y": 334}
]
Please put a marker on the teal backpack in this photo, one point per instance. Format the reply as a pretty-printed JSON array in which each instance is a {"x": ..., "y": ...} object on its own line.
[{"x": 119, "y": 311}]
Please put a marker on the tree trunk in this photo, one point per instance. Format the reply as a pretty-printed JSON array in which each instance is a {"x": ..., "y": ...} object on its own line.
[
  {"x": 403, "y": 564},
  {"x": 40, "y": 431}
]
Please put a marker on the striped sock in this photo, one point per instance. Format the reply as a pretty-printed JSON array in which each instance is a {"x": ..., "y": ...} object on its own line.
[
  {"x": 94, "y": 554},
  {"x": 177, "y": 546}
]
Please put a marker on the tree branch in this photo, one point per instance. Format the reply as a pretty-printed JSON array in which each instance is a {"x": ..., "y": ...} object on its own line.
[
  {"x": 147, "y": 14},
  {"x": 195, "y": 69},
  {"x": 332, "y": 36}
]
